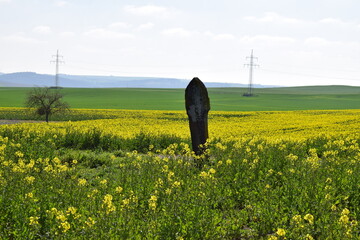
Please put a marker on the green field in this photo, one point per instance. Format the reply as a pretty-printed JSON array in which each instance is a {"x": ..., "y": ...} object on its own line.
[{"x": 226, "y": 99}]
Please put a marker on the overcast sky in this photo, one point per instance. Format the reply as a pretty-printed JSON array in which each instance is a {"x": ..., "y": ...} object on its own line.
[{"x": 297, "y": 42}]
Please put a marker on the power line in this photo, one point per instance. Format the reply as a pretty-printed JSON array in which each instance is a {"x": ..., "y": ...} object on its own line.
[
  {"x": 57, "y": 61},
  {"x": 251, "y": 65}
]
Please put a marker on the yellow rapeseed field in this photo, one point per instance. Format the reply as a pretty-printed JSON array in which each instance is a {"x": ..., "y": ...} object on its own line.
[{"x": 131, "y": 174}]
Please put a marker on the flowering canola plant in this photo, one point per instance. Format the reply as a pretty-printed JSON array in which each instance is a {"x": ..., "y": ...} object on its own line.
[{"x": 131, "y": 174}]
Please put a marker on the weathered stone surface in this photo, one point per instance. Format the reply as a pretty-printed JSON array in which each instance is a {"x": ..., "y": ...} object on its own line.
[{"x": 197, "y": 107}]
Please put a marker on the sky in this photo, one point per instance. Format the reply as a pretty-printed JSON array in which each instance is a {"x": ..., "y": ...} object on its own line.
[{"x": 296, "y": 42}]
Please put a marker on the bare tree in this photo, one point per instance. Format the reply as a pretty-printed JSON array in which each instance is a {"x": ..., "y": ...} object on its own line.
[{"x": 46, "y": 102}]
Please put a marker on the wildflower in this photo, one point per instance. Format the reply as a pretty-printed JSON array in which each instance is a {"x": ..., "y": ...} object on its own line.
[
  {"x": 29, "y": 195},
  {"x": 309, "y": 237},
  {"x": 65, "y": 226},
  {"x": 125, "y": 202},
  {"x": 108, "y": 204},
  {"x": 33, "y": 220},
  {"x": 228, "y": 162},
  {"x": 118, "y": 189},
  {"x": 165, "y": 168},
  {"x": 71, "y": 210},
  {"x": 345, "y": 211},
  {"x": 333, "y": 207},
  {"x": 29, "y": 179},
  {"x": 168, "y": 191},
  {"x": 170, "y": 174},
  {"x": 344, "y": 219},
  {"x": 297, "y": 218},
  {"x": 82, "y": 182},
  {"x": 212, "y": 171},
  {"x": 61, "y": 217},
  {"x": 176, "y": 184},
  {"x": 90, "y": 222},
  {"x": 203, "y": 174},
  {"x": 267, "y": 186},
  {"x": 310, "y": 218},
  {"x": 19, "y": 154},
  {"x": 103, "y": 182},
  {"x": 153, "y": 202},
  {"x": 272, "y": 238},
  {"x": 281, "y": 232}
]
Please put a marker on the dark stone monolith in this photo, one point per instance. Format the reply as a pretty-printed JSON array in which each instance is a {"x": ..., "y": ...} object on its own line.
[{"x": 197, "y": 107}]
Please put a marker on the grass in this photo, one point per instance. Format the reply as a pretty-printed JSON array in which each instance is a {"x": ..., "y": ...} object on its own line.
[{"x": 222, "y": 99}]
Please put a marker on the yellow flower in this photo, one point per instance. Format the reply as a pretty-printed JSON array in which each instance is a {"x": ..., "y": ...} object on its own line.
[
  {"x": 297, "y": 218},
  {"x": 153, "y": 202},
  {"x": 309, "y": 237},
  {"x": 310, "y": 218},
  {"x": 212, "y": 171},
  {"x": 203, "y": 174},
  {"x": 281, "y": 232},
  {"x": 168, "y": 191},
  {"x": 71, "y": 210},
  {"x": 345, "y": 211},
  {"x": 328, "y": 180},
  {"x": 344, "y": 219},
  {"x": 82, "y": 182},
  {"x": 90, "y": 222},
  {"x": 273, "y": 238},
  {"x": 267, "y": 186},
  {"x": 108, "y": 204},
  {"x": 170, "y": 175},
  {"x": 228, "y": 162},
  {"x": 65, "y": 226},
  {"x": 34, "y": 220},
  {"x": 29, "y": 179},
  {"x": 29, "y": 195},
  {"x": 118, "y": 189},
  {"x": 104, "y": 182},
  {"x": 176, "y": 184},
  {"x": 61, "y": 217}
]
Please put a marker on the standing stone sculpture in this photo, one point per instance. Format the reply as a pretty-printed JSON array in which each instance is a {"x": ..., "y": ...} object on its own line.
[{"x": 197, "y": 107}]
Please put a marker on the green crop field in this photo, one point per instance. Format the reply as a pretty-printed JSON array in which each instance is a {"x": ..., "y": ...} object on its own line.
[{"x": 226, "y": 99}]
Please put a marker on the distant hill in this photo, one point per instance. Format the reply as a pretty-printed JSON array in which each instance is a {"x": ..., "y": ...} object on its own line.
[{"x": 32, "y": 79}]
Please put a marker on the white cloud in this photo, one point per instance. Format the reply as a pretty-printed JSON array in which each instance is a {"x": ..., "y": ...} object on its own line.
[
  {"x": 318, "y": 42},
  {"x": 61, "y": 3},
  {"x": 5, "y": 1},
  {"x": 147, "y": 10},
  {"x": 332, "y": 21},
  {"x": 42, "y": 29},
  {"x": 224, "y": 36},
  {"x": 267, "y": 39},
  {"x": 119, "y": 25},
  {"x": 107, "y": 34},
  {"x": 178, "y": 32},
  {"x": 20, "y": 38},
  {"x": 146, "y": 26},
  {"x": 67, "y": 34},
  {"x": 273, "y": 17}
]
